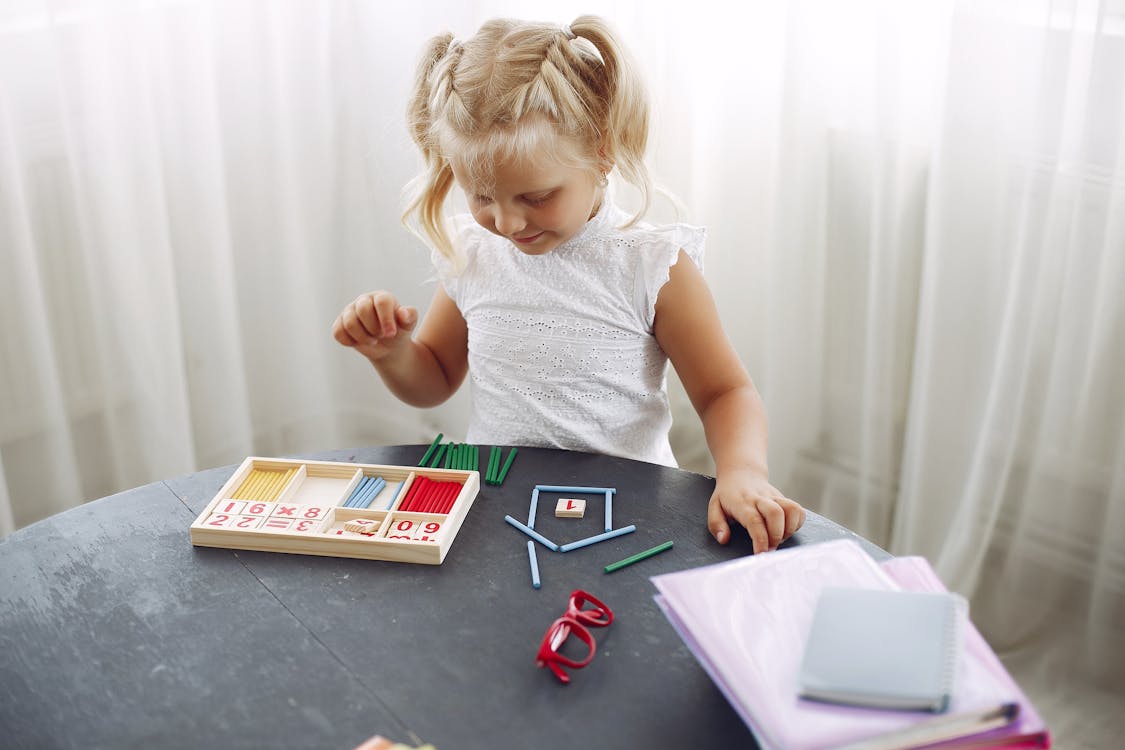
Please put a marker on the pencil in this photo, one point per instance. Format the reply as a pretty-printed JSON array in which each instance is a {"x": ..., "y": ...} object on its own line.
[{"x": 639, "y": 556}]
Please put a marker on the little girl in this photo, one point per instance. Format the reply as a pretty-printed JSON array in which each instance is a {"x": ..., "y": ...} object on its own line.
[{"x": 563, "y": 309}]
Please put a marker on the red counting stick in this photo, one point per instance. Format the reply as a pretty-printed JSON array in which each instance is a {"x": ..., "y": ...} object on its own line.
[
  {"x": 415, "y": 487},
  {"x": 450, "y": 499},
  {"x": 447, "y": 497}
]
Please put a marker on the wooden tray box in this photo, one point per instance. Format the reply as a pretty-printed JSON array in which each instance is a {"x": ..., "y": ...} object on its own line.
[{"x": 298, "y": 508}]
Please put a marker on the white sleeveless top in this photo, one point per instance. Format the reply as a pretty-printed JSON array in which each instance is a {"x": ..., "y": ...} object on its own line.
[{"x": 561, "y": 346}]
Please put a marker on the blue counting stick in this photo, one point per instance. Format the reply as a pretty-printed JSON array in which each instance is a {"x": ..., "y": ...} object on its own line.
[
  {"x": 533, "y": 508},
  {"x": 534, "y": 565},
  {"x": 374, "y": 489},
  {"x": 599, "y": 538},
  {"x": 609, "y": 511},
  {"x": 396, "y": 493},
  {"x": 348, "y": 501},
  {"x": 360, "y": 491},
  {"x": 358, "y": 500},
  {"x": 533, "y": 534},
  {"x": 357, "y": 492},
  {"x": 586, "y": 490}
]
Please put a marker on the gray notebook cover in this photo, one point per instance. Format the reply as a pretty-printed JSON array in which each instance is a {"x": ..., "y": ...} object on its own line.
[{"x": 888, "y": 649}]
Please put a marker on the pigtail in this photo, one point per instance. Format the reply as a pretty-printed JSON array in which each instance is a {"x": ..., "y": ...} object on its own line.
[
  {"x": 626, "y": 116},
  {"x": 427, "y": 192}
]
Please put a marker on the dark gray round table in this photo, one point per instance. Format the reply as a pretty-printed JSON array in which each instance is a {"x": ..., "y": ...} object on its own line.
[{"x": 115, "y": 632}]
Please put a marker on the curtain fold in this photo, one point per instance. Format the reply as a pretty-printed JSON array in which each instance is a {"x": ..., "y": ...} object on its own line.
[{"x": 916, "y": 222}]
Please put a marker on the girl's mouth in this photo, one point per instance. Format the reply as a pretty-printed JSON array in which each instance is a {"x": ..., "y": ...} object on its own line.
[{"x": 527, "y": 240}]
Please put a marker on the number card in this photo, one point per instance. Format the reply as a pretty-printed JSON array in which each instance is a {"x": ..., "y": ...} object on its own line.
[
  {"x": 570, "y": 507},
  {"x": 297, "y": 507}
]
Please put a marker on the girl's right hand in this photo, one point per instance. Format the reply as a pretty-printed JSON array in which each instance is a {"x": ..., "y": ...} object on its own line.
[{"x": 374, "y": 324}]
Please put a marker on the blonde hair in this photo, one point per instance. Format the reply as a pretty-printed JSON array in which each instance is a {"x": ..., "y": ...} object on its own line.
[{"x": 514, "y": 89}]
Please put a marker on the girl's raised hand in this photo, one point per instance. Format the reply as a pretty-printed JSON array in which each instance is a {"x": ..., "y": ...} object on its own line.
[
  {"x": 374, "y": 324},
  {"x": 768, "y": 516}
]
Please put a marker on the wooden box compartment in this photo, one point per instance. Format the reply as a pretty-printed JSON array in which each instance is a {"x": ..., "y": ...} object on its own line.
[{"x": 295, "y": 506}]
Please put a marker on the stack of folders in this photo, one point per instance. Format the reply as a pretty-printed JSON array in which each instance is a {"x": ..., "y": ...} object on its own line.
[{"x": 783, "y": 637}]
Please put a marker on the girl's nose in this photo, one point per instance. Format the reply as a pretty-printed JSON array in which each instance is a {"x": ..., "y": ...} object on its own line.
[{"x": 508, "y": 221}]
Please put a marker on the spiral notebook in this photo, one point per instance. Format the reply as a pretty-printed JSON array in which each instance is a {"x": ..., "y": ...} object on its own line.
[{"x": 882, "y": 648}]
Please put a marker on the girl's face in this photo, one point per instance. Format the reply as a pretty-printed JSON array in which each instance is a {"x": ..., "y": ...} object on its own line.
[{"x": 536, "y": 203}]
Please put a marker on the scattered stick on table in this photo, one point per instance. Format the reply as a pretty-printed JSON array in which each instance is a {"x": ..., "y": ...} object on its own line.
[
  {"x": 507, "y": 465},
  {"x": 599, "y": 538},
  {"x": 431, "y": 449},
  {"x": 638, "y": 557},
  {"x": 438, "y": 456},
  {"x": 493, "y": 464},
  {"x": 533, "y": 534},
  {"x": 534, "y": 565}
]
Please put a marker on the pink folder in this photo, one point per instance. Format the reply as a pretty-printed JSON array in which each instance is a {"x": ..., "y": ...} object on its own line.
[{"x": 746, "y": 621}]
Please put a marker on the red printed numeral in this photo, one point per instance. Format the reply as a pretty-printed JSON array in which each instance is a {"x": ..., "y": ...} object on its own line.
[
  {"x": 427, "y": 531},
  {"x": 246, "y": 522},
  {"x": 402, "y": 529},
  {"x": 219, "y": 519}
]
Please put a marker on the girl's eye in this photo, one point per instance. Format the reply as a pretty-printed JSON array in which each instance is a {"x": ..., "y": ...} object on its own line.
[
  {"x": 538, "y": 200},
  {"x": 481, "y": 200}
]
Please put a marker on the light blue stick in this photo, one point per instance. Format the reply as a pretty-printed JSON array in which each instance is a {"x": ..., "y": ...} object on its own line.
[
  {"x": 599, "y": 538},
  {"x": 534, "y": 565},
  {"x": 395, "y": 495},
  {"x": 364, "y": 491},
  {"x": 376, "y": 487},
  {"x": 609, "y": 511},
  {"x": 533, "y": 534},
  {"x": 533, "y": 508},
  {"x": 583, "y": 490},
  {"x": 357, "y": 492}
]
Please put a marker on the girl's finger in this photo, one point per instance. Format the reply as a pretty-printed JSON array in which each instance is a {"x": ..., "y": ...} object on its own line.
[{"x": 717, "y": 521}]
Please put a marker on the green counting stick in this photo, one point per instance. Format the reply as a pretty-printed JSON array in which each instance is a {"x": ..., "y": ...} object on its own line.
[
  {"x": 493, "y": 464},
  {"x": 507, "y": 465},
  {"x": 431, "y": 449},
  {"x": 639, "y": 556}
]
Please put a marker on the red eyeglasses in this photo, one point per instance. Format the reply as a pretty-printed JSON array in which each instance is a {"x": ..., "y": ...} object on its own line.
[{"x": 576, "y": 620}]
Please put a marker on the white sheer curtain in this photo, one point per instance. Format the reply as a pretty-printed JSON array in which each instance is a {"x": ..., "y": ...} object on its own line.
[{"x": 917, "y": 242}]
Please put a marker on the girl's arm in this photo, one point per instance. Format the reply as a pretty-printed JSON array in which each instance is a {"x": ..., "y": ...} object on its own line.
[
  {"x": 422, "y": 370},
  {"x": 687, "y": 327}
]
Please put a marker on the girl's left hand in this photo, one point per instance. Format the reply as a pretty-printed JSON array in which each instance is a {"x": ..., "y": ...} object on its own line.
[{"x": 761, "y": 508}]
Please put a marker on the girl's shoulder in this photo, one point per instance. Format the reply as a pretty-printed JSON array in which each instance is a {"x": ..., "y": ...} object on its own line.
[{"x": 660, "y": 244}]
